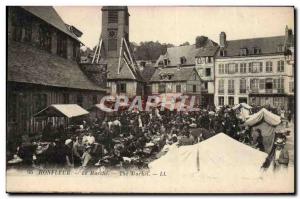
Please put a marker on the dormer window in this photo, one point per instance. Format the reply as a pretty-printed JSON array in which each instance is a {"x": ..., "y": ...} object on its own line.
[
  {"x": 223, "y": 53},
  {"x": 243, "y": 51},
  {"x": 169, "y": 76},
  {"x": 166, "y": 62},
  {"x": 280, "y": 48},
  {"x": 182, "y": 60},
  {"x": 142, "y": 63},
  {"x": 160, "y": 63},
  {"x": 162, "y": 75},
  {"x": 209, "y": 59},
  {"x": 256, "y": 51}
]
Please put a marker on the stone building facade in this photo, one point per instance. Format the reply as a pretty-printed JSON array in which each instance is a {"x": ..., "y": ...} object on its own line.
[
  {"x": 42, "y": 68},
  {"x": 255, "y": 71}
]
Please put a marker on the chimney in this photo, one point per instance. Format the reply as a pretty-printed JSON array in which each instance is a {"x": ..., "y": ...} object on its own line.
[
  {"x": 286, "y": 31},
  {"x": 288, "y": 37},
  {"x": 222, "y": 39}
]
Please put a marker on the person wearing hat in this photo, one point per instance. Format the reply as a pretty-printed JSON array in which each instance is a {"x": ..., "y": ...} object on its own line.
[
  {"x": 259, "y": 141},
  {"x": 279, "y": 154}
]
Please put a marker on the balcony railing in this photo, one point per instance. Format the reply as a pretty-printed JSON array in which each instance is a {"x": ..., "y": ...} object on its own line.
[
  {"x": 242, "y": 90},
  {"x": 269, "y": 91},
  {"x": 221, "y": 91},
  {"x": 254, "y": 90},
  {"x": 280, "y": 90},
  {"x": 230, "y": 91}
]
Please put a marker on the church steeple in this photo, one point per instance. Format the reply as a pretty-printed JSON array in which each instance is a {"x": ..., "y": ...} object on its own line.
[{"x": 115, "y": 27}]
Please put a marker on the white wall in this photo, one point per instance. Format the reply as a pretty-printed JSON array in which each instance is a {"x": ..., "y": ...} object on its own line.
[{"x": 261, "y": 75}]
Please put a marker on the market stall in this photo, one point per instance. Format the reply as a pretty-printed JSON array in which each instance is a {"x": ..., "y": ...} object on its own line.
[
  {"x": 60, "y": 114},
  {"x": 268, "y": 123},
  {"x": 217, "y": 157}
]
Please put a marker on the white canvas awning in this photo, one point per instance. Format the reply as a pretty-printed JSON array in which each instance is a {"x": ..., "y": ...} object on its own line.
[
  {"x": 265, "y": 115},
  {"x": 62, "y": 110},
  {"x": 217, "y": 157}
]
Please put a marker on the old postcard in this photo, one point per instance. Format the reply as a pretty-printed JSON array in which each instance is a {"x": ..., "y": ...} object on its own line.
[{"x": 120, "y": 99}]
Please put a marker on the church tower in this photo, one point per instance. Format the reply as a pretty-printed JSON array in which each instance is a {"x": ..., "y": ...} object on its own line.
[
  {"x": 123, "y": 75},
  {"x": 115, "y": 27}
]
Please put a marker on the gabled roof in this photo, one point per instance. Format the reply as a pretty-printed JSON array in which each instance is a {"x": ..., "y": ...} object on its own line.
[
  {"x": 28, "y": 64},
  {"x": 267, "y": 45},
  {"x": 49, "y": 15},
  {"x": 174, "y": 54},
  {"x": 159, "y": 59},
  {"x": 182, "y": 74},
  {"x": 126, "y": 72}
]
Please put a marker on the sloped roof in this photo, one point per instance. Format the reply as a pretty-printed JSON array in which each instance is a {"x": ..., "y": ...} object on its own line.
[
  {"x": 28, "y": 64},
  {"x": 131, "y": 73},
  {"x": 268, "y": 45},
  {"x": 174, "y": 54},
  {"x": 49, "y": 15},
  {"x": 148, "y": 72},
  {"x": 182, "y": 74},
  {"x": 159, "y": 59},
  {"x": 208, "y": 48},
  {"x": 207, "y": 51},
  {"x": 62, "y": 110}
]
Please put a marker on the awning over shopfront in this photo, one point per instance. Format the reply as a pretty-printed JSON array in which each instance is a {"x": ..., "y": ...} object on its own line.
[
  {"x": 263, "y": 115},
  {"x": 62, "y": 110}
]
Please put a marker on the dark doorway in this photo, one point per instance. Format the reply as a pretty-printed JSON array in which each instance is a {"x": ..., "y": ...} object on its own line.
[{"x": 243, "y": 100}]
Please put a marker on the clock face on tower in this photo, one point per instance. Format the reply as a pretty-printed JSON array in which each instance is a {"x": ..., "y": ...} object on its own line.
[{"x": 112, "y": 33}]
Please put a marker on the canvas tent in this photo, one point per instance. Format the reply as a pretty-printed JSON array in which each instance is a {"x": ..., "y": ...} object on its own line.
[
  {"x": 243, "y": 109},
  {"x": 268, "y": 123},
  {"x": 217, "y": 157}
]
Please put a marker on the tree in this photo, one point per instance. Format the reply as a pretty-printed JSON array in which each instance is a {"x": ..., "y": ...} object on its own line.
[
  {"x": 185, "y": 44},
  {"x": 150, "y": 50}
]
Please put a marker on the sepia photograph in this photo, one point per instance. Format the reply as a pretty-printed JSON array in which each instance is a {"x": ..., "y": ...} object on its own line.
[{"x": 150, "y": 99}]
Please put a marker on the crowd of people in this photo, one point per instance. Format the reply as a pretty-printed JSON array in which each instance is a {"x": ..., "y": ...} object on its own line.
[{"x": 130, "y": 138}]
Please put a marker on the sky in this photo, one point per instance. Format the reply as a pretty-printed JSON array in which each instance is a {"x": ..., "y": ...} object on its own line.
[{"x": 177, "y": 25}]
